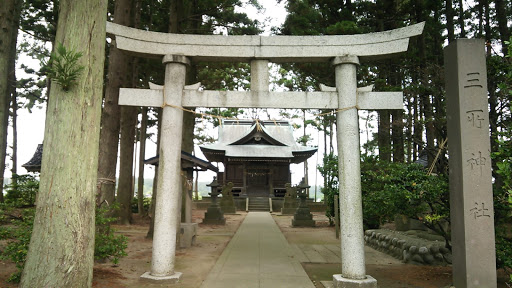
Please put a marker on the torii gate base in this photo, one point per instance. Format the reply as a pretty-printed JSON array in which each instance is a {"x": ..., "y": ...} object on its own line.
[
  {"x": 339, "y": 281},
  {"x": 344, "y": 52},
  {"x": 175, "y": 278}
]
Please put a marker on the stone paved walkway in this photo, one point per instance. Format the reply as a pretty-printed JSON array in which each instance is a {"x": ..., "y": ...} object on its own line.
[{"x": 258, "y": 256}]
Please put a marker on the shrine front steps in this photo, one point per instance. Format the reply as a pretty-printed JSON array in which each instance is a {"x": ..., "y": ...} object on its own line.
[{"x": 259, "y": 204}]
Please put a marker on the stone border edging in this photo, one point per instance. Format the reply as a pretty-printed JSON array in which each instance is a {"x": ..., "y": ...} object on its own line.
[{"x": 408, "y": 249}]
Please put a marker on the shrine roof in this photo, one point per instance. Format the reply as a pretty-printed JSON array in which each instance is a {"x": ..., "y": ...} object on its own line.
[
  {"x": 34, "y": 164},
  {"x": 188, "y": 161},
  {"x": 260, "y": 139}
]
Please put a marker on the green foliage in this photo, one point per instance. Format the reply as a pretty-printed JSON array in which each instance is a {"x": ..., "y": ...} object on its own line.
[
  {"x": 398, "y": 188},
  {"x": 22, "y": 191},
  {"x": 329, "y": 170},
  {"x": 20, "y": 223},
  {"x": 393, "y": 188},
  {"x": 503, "y": 188},
  {"x": 107, "y": 244},
  {"x": 146, "y": 201},
  {"x": 19, "y": 234},
  {"x": 63, "y": 67},
  {"x": 343, "y": 28}
]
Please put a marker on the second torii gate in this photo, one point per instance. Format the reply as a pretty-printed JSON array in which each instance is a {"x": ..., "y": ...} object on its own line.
[{"x": 344, "y": 52}]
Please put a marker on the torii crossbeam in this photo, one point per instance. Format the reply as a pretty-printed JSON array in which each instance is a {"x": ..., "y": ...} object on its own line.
[{"x": 344, "y": 52}]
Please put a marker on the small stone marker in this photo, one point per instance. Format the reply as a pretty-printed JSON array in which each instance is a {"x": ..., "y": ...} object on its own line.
[
  {"x": 214, "y": 214},
  {"x": 290, "y": 200},
  {"x": 227, "y": 202},
  {"x": 303, "y": 216},
  {"x": 471, "y": 202}
]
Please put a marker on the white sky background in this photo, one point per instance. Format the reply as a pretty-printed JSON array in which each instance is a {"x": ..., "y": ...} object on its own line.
[{"x": 31, "y": 125}]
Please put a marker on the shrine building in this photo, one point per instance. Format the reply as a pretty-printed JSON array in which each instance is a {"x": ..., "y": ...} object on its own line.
[{"x": 256, "y": 156}]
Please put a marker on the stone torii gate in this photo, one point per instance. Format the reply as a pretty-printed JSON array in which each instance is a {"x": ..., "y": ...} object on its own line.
[{"x": 344, "y": 52}]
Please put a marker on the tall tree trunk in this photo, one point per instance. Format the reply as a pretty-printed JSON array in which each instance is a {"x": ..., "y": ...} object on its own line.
[
  {"x": 383, "y": 135},
  {"x": 14, "y": 169},
  {"x": 424, "y": 96},
  {"x": 409, "y": 133},
  {"x": 14, "y": 95},
  {"x": 480, "y": 19},
  {"x": 306, "y": 168},
  {"x": 493, "y": 100},
  {"x": 118, "y": 77},
  {"x": 196, "y": 184},
  {"x": 9, "y": 21},
  {"x": 125, "y": 187},
  {"x": 61, "y": 251},
  {"x": 331, "y": 136},
  {"x": 449, "y": 21},
  {"x": 155, "y": 179},
  {"x": 488, "y": 35},
  {"x": 397, "y": 116},
  {"x": 461, "y": 19},
  {"x": 501, "y": 17},
  {"x": 429, "y": 124},
  {"x": 140, "y": 186},
  {"x": 398, "y": 135}
]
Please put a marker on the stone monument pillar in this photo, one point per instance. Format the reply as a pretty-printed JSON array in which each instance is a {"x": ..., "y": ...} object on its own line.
[
  {"x": 471, "y": 197},
  {"x": 169, "y": 178},
  {"x": 351, "y": 209},
  {"x": 188, "y": 230}
]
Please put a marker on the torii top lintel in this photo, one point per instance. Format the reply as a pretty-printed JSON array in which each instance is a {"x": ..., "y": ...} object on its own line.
[{"x": 273, "y": 48}]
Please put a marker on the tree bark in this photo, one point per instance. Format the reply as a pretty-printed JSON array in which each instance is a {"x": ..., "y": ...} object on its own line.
[
  {"x": 493, "y": 101},
  {"x": 9, "y": 21},
  {"x": 140, "y": 185},
  {"x": 118, "y": 77},
  {"x": 14, "y": 105},
  {"x": 461, "y": 19},
  {"x": 383, "y": 136},
  {"x": 449, "y": 21},
  {"x": 398, "y": 135},
  {"x": 424, "y": 97},
  {"x": 155, "y": 180},
  {"x": 409, "y": 135},
  {"x": 125, "y": 187},
  {"x": 14, "y": 102},
  {"x": 501, "y": 17},
  {"x": 61, "y": 251}
]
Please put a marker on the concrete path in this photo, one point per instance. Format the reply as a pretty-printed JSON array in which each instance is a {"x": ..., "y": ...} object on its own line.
[{"x": 258, "y": 256}]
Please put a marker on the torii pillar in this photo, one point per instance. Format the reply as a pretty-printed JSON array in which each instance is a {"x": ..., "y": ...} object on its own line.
[
  {"x": 167, "y": 206},
  {"x": 349, "y": 160}
]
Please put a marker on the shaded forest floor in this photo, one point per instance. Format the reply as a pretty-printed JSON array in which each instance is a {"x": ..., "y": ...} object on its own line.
[{"x": 196, "y": 262}]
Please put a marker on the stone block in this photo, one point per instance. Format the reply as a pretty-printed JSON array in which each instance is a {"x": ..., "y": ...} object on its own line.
[
  {"x": 227, "y": 204},
  {"x": 170, "y": 279},
  {"x": 214, "y": 221},
  {"x": 214, "y": 216},
  {"x": 288, "y": 211},
  {"x": 341, "y": 282},
  {"x": 188, "y": 234},
  {"x": 303, "y": 223}
]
